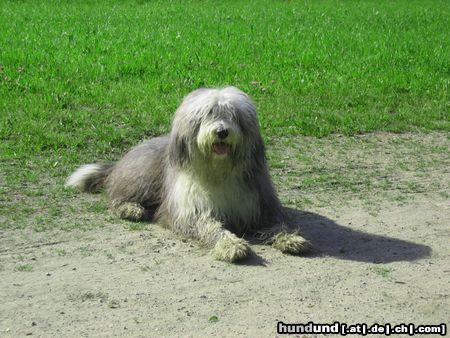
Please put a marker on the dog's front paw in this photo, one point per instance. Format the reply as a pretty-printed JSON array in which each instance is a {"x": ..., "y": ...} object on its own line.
[
  {"x": 231, "y": 249},
  {"x": 130, "y": 211},
  {"x": 293, "y": 244}
]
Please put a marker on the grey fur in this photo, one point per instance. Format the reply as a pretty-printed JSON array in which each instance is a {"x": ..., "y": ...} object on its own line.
[{"x": 215, "y": 195}]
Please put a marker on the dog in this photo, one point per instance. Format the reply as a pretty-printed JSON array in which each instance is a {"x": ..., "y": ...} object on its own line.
[{"x": 208, "y": 179}]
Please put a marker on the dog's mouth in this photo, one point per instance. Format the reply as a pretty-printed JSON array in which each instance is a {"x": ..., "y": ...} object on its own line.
[{"x": 221, "y": 148}]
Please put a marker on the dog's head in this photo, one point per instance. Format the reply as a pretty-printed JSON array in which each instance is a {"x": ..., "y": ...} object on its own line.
[{"x": 218, "y": 125}]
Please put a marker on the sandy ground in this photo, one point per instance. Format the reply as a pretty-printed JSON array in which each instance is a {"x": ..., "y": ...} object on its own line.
[{"x": 389, "y": 266}]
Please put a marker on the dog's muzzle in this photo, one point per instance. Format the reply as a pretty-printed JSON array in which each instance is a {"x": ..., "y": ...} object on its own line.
[{"x": 221, "y": 148}]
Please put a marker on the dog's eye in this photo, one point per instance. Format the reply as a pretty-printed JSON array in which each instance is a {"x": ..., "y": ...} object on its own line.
[{"x": 235, "y": 116}]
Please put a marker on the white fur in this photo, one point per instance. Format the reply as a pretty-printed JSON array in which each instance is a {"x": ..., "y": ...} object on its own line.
[
  {"x": 79, "y": 178},
  {"x": 226, "y": 198}
]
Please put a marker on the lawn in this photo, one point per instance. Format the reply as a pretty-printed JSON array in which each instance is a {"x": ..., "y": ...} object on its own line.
[
  {"x": 102, "y": 75},
  {"x": 85, "y": 80}
]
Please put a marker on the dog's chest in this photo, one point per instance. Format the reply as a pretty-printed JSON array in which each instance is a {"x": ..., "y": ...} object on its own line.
[{"x": 229, "y": 199}]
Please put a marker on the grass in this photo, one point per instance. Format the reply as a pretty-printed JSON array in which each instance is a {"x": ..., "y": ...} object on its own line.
[
  {"x": 337, "y": 171},
  {"x": 101, "y": 75},
  {"x": 24, "y": 268},
  {"x": 213, "y": 319},
  {"x": 84, "y": 80},
  {"x": 382, "y": 271}
]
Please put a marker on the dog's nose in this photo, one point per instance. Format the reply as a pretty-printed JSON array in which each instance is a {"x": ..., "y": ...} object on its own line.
[{"x": 222, "y": 133}]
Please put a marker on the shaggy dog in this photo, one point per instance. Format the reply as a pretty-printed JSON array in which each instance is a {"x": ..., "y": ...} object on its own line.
[{"x": 208, "y": 179}]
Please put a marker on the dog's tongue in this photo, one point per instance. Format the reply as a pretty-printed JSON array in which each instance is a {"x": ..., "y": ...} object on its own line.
[{"x": 221, "y": 148}]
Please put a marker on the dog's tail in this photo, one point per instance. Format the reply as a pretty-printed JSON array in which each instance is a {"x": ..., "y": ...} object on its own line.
[{"x": 90, "y": 177}]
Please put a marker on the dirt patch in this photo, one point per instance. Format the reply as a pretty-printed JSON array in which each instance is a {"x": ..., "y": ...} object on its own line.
[{"x": 380, "y": 254}]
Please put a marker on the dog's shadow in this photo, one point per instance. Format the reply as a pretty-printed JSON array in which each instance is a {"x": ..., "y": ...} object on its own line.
[{"x": 331, "y": 239}]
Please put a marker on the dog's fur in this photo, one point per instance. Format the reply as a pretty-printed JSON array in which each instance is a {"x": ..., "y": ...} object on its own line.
[{"x": 207, "y": 180}]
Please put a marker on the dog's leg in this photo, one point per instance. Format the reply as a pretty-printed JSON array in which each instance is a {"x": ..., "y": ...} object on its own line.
[
  {"x": 231, "y": 248},
  {"x": 291, "y": 243},
  {"x": 286, "y": 240},
  {"x": 227, "y": 246},
  {"x": 129, "y": 211}
]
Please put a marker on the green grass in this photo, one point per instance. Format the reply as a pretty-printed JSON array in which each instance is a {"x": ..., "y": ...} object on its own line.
[
  {"x": 85, "y": 80},
  {"x": 80, "y": 76},
  {"x": 213, "y": 319},
  {"x": 382, "y": 271},
  {"x": 24, "y": 268}
]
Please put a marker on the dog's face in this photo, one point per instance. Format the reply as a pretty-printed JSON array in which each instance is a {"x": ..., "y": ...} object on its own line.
[
  {"x": 218, "y": 124},
  {"x": 219, "y": 135}
]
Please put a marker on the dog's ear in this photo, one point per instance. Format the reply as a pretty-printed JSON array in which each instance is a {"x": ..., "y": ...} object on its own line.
[
  {"x": 178, "y": 150},
  {"x": 255, "y": 161},
  {"x": 259, "y": 152}
]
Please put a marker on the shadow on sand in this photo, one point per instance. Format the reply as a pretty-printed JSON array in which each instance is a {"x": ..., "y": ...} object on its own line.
[{"x": 331, "y": 239}]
